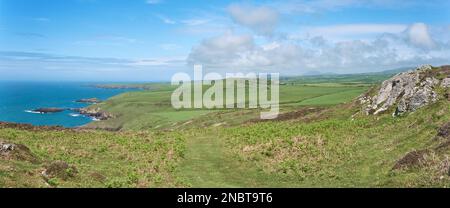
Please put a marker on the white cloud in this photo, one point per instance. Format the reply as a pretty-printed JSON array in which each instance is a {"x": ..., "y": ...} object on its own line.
[
  {"x": 204, "y": 24},
  {"x": 220, "y": 50},
  {"x": 419, "y": 36},
  {"x": 389, "y": 50},
  {"x": 263, "y": 20},
  {"x": 166, "y": 19},
  {"x": 41, "y": 66},
  {"x": 352, "y": 31},
  {"x": 195, "y": 22}
]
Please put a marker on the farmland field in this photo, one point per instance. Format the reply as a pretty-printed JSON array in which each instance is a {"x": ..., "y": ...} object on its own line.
[{"x": 152, "y": 108}]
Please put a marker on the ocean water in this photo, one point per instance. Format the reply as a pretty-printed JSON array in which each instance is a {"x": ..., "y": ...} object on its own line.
[{"x": 17, "y": 99}]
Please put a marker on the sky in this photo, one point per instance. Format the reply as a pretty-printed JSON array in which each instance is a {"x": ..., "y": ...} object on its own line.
[{"x": 150, "y": 40}]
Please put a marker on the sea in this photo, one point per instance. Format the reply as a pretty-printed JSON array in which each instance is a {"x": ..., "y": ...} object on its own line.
[{"x": 18, "y": 99}]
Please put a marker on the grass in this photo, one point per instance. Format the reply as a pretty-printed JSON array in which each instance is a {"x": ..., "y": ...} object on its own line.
[
  {"x": 151, "y": 109},
  {"x": 345, "y": 79},
  {"x": 206, "y": 165},
  {"x": 333, "y": 98},
  {"x": 344, "y": 152},
  {"x": 159, "y": 146},
  {"x": 103, "y": 159}
]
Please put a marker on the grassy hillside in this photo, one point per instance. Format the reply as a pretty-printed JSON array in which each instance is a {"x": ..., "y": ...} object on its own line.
[
  {"x": 100, "y": 158},
  {"x": 321, "y": 139},
  {"x": 349, "y": 79},
  {"x": 343, "y": 151},
  {"x": 151, "y": 109}
]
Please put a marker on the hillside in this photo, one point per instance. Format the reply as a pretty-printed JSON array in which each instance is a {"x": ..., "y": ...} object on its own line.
[
  {"x": 151, "y": 109},
  {"x": 323, "y": 138},
  {"x": 355, "y": 79}
]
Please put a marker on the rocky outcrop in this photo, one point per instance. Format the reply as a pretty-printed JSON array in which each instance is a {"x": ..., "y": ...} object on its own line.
[
  {"x": 11, "y": 151},
  {"x": 95, "y": 113},
  {"x": 89, "y": 100},
  {"x": 445, "y": 83},
  {"x": 407, "y": 91},
  {"x": 48, "y": 110}
]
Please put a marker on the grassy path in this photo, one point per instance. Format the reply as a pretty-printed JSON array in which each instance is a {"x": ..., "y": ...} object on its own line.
[{"x": 206, "y": 165}]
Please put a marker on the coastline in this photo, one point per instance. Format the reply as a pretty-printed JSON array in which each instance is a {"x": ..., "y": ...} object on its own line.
[
  {"x": 54, "y": 104},
  {"x": 131, "y": 86}
]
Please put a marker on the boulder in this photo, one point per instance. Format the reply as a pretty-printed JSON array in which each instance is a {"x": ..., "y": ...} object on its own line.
[
  {"x": 12, "y": 151},
  {"x": 407, "y": 91},
  {"x": 445, "y": 83}
]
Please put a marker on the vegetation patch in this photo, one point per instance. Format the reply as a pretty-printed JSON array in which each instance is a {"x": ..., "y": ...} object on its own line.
[
  {"x": 11, "y": 151},
  {"x": 411, "y": 159},
  {"x": 59, "y": 169},
  {"x": 92, "y": 158}
]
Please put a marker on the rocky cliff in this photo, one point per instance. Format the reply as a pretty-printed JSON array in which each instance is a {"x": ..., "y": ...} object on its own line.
[
  {"x": 95, "y": 113},
  {"x": 409, "y": 91}
]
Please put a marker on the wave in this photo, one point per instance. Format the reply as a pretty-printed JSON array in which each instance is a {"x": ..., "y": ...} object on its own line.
[
  {"x": 75, "y": 114},
  {"x": 30, "y": 111}
]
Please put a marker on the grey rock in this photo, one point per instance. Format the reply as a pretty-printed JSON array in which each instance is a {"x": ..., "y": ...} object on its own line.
[
  {"x": 445, "y": 83},
  {"x": 48, "y": 110},
  {"x": 6, "y": 147},
  {"x": 425, "y": 67},
  {"x": 408, "y": 91},
  {"x": 95, "y": 113},
  {"x": 11, "y": 151}
]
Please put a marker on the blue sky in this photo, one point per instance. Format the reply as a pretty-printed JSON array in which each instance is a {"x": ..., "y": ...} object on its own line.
[{"x": 149, "y": 40}]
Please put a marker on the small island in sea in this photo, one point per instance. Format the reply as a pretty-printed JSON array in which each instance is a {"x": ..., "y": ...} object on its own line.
[{"x": 53, "y": 103}]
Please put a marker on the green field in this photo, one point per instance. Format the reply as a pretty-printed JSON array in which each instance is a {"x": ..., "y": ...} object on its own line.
[
  {"x": 321, "y": 139},
  {"x": 151, "y": 109}
]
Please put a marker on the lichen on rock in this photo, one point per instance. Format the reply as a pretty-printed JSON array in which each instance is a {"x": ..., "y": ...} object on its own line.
[
  {"x": 445, "y": 83},
  {"x": 407, "y": 91}
]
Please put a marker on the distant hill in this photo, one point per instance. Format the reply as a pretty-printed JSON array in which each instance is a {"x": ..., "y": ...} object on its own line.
[
  {"x": 393, "y": 71},
  {"x": 358, "y": 78},
  {"x": 315, "y": 73}
]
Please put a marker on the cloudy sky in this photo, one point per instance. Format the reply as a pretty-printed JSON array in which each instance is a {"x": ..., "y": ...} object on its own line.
[{"x": 149, "y": 40}]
